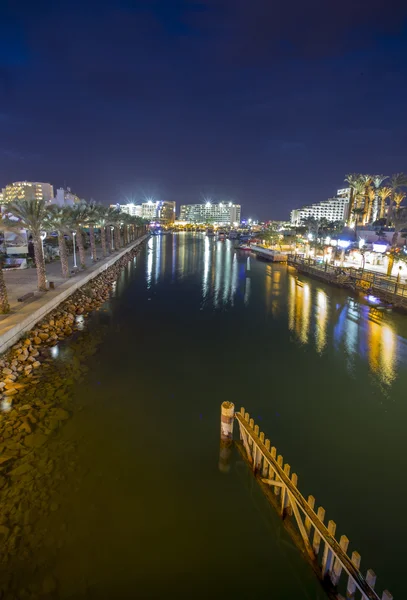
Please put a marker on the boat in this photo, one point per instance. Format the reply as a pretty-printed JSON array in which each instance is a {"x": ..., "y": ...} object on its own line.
[
  {"x": 299, "y": 282},
  {"x": 244, "y": 247}
]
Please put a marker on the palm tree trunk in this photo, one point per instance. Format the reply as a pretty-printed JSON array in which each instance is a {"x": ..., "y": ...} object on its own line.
[
  {"x": 109, "y": 239},
  {"x": 117, "y": 234},
  {"x": 63, "y": 255},
  {"x": 81, "y": 248},
  {"x": 40, "y": 263},
  {"x": 390, "y": 210},
  {"x": 375, "y": 207},
  {"x": 92, "y": 242},
  {"x": 103, "y": 240},
  {"x": 4, "y": 304}
]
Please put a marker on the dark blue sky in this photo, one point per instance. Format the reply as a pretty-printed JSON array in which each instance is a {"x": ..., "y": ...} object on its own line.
[{"x": 263, "y": 102}]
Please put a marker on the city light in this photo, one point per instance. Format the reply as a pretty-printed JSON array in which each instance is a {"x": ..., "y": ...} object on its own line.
[
  {"x": 361, "y": 242},
  {"x": 310, "y": 236},
  {"x": 344, "y": 243},
  {"x": 208, "y": 204},
  {"x": 379, "y": 247}
]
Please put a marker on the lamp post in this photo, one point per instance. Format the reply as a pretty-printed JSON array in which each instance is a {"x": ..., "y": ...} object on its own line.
[
  {"x": 74, "y": 250},
  {"x": 112, "y": 230}
]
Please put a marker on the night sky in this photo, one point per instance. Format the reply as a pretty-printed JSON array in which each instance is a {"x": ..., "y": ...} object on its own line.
[{"x": 267, "y": 103}]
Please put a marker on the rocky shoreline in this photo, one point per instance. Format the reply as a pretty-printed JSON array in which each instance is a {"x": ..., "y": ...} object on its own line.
[{"x": 35, "y": 401}]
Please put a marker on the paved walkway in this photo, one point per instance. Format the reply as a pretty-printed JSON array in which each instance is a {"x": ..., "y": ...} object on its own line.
[{"x": 24, "y": 315}]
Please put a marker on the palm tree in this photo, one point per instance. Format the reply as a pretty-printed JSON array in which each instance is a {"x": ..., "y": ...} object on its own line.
[
  {"x": 366, "y": 180},
  {"x": 371, "y": 194},
  {"x": 58, "y": 220},
  {"x": 351, "y": 179},
  {"x": 398, "y": 199},
  {"x": 4, "y": 303},
  {"x": 32, "y": 215},
  {"x": 104, "y": 225},
  {"x": 398, "y": 180},
  {"x": 400, "y": 222},
  {"x": 377, "y": 181},
  {"x": 357, "y": 213},
  {"x": 92, "y": 218},
  {"x": 383, "y": 193},
  {"x": 77, "y": 221}
]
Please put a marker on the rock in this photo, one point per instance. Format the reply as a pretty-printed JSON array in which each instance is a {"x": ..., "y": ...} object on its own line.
[
  {"x": 37, "y": 340},
  {"x": 36, "y": 364},
  {"x": 2, "y": 385},
  {"x": 4, "y": 532},
  {"x": 54, "y": 506},
  {"x": 24, "y": 407},
  {"x": 5, "y": 458},
  {"x": 35, "y": 440},
  {"x": 20, "y": 470},
  {"x": 27, "y": 342},
  {"x": 25, "y": 427},
  {"x": 11, "y": 392},
  {"x": 7, "y": 371},
  {"x": 43, "y": 336},
  {"x": 60, "y": 414},
  {"x": 3, "y": 481}
]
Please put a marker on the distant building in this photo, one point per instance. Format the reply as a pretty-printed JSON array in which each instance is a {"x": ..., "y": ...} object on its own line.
[
  {"x": 223, "y": 213},
  {"x": 131, "y": 209},
  {"x": 28, "y": 190},
  {"x": 65, "y": 197},
  {"x": 162, "y": 212},
  {"x": 333, "y": 209}
]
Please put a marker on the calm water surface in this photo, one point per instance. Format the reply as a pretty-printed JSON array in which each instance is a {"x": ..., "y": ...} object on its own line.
[{"x": 146, "y": 513}]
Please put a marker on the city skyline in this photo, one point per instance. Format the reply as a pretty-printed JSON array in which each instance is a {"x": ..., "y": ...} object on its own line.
[{"x": 255, "y": 103}]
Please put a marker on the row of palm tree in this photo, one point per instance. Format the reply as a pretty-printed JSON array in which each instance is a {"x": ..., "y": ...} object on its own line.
[
  {"x": 368, "y": 197},
  {"x": 38, "y": 217}
]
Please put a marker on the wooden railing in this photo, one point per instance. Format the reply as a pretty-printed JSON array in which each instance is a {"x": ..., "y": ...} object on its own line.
[{"x": 271, "y": 471}]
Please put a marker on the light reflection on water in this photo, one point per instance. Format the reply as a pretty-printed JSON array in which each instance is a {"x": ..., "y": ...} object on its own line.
[{"x": 315, "y": 314}]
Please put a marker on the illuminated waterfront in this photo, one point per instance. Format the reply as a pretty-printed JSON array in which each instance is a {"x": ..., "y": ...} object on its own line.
[{"x": 191, "y": 323}]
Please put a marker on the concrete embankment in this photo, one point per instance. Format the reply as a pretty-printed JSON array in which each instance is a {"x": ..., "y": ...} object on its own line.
[{"x": 13, "y": 326}]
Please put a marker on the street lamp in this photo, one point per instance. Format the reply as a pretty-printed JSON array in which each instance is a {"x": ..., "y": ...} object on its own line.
[
  {"x": 74, "y": 250},
  {"x": 112, "y": 233}
]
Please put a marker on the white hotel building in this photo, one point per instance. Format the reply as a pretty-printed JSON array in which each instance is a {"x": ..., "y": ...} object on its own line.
[
  {"x": 223, "y": 213},
  {"x": 333, "y": 209}
]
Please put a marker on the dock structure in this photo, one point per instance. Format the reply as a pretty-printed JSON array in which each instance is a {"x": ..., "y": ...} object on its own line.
[
  {"x": 387, "y": 288},
  {"x": 328, "y": 556}
]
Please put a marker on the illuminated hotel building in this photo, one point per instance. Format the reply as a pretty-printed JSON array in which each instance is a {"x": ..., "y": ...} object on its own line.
[
  {"x": 162, "y": 212},
  {"x": 333, "y": 209},
  {"x": 223, "y": 213},
  {"x": 28, "y": 190}
]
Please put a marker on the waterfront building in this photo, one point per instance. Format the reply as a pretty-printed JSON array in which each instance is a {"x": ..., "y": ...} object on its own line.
[
  {"x": 162, "y": 212},
  {"x": 28, "y": 190},
  {"x": 333, "y": 209},
  {"x": 65, "y": 197},
  {"x": 223, "y": 213},
  {"x": 134, "y": 210}
]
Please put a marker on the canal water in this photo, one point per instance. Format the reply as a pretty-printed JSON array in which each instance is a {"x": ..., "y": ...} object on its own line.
[{"x": 136, "y": 504}]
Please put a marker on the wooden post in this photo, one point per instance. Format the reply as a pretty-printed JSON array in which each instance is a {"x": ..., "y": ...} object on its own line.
[
  {"x": 328, "y": 555},
  {"x": 307, "y": 523},
  {"x": 265, "y": 463},
  {"x": 226, "y": 420},
  {"x": 370, "y": 579},
  {"x": 351, "y": 587},
  {"x": 280, "y": 464},
  {"x": 317, "y": 538},
  {"x": 337, "y": 568},
  {"x": 284, "y": 495},
  {"x": 386, "y": 595}
]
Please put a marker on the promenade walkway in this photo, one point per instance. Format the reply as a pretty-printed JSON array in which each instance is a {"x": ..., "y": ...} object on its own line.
[{"x": 24, "y": 315}]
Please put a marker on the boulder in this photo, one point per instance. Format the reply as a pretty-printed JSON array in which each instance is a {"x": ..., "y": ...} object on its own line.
[{"x": 35, "y": 440}]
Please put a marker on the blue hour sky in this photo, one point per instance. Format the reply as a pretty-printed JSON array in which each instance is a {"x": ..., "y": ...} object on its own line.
[{"x": 267, "y": 103}]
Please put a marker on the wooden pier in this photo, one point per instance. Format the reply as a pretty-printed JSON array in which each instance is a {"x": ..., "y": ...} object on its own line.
[
  {"x": 304, "y": 522},
  {"x": 387, "y": 288}
]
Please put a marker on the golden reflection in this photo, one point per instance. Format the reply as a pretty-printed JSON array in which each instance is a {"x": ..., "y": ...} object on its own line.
[
  {"x": 291, "y": 302},
  {"x": 207, "y": 261},
  {"x": 276, "y": 291},
  {"x": 299, "y": 308},
  {"x": 382, "y": 345},
  {"x": 228, "y": 273},
  {"x": 321, "y": 320},
  {"x": 269, "y": 282},
  {"x": 306, "y": 309},
  {"x": 234, "y": 279}
]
